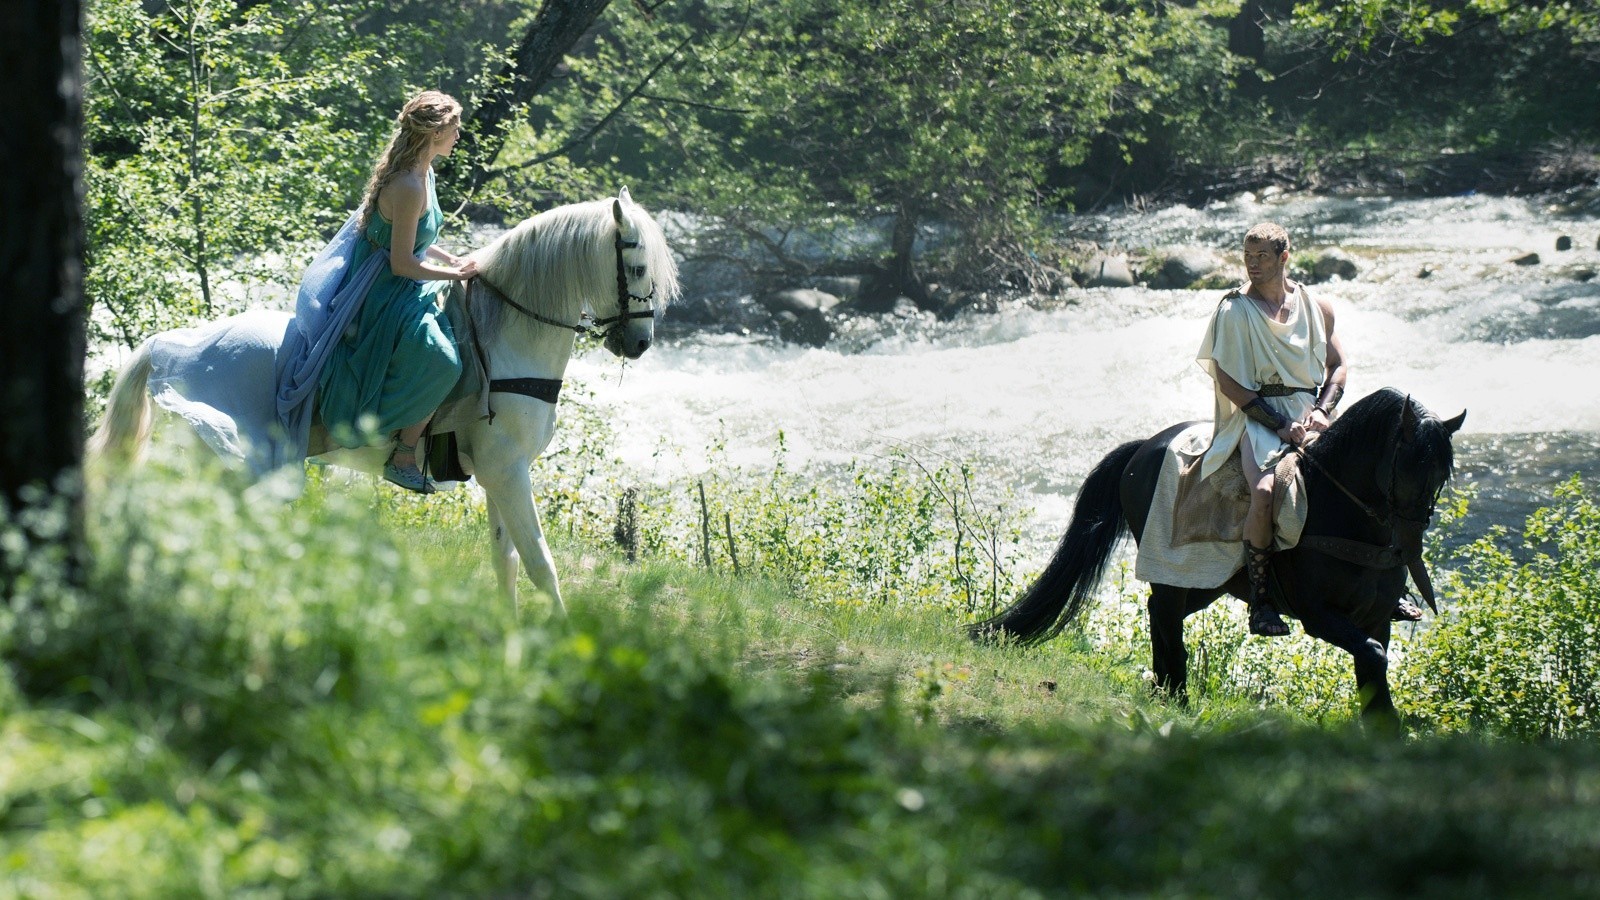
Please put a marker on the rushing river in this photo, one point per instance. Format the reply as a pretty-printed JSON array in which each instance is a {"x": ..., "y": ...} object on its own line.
[{"x": 1037, "y": 395}]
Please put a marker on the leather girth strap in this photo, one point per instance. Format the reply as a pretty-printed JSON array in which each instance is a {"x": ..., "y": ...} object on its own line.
[
  {"x": 546, "y": 389},
  {"x": 1373, "y": 556}
]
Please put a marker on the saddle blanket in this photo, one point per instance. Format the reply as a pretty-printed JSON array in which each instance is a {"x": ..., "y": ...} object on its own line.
[
  {"x": 221, "y": 377},
  {"x": 1194, "y": 534}
]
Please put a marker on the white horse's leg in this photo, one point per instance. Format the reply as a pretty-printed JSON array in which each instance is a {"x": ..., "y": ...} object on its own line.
[
  {"x": 510, "y": 492},
  {"x": 507, "y": 562}
]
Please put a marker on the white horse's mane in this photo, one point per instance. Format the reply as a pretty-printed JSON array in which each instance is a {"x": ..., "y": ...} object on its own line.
[{"x": 561, "y": 260}]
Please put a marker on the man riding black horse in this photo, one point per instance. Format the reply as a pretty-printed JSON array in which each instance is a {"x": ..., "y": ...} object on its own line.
[
  {"x": 1367, "y": 492},
  {"x": 1280, "y": 372}
]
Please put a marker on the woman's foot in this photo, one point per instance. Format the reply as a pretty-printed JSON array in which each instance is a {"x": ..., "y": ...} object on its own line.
[{"x": 402, "y": 470}]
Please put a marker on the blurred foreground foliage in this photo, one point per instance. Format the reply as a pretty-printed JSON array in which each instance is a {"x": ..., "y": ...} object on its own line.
[{"x": 327, "y": 698}]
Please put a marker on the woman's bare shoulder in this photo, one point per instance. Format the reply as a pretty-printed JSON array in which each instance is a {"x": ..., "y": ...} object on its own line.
[{"x": 405, "y": 192}]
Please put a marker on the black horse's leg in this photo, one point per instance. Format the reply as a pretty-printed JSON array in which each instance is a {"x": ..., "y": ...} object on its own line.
[
  {"x": 1371, "y": 655},
  {"x": 1379, "y": 708},
  {"x": 1168, "y": 656}
]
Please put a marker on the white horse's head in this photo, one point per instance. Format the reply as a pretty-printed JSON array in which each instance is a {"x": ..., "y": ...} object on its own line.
[
  {"x": 607, "y": 260},
  {"x": 643, "y": 275}
]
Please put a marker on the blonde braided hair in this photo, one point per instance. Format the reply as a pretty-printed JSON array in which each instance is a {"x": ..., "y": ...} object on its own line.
[{"x": 420, "y": 119}]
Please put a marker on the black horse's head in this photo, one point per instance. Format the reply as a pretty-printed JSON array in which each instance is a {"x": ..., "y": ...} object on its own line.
[{"x": 1397, "y": 451}]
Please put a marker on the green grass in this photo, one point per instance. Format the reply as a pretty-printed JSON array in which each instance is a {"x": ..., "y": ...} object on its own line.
[{"x": 316, "y": 700}]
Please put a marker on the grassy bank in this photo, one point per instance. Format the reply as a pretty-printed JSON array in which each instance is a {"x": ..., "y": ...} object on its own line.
[{"x": 312, "y": 700}]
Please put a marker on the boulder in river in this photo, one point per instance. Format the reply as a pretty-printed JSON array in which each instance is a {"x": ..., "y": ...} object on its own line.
[
  {"x": 1108, "y": 271},
  {"x": 1526, "y": 259},
  {"x": 1564, "y": 242},
  {"x": 1177, "y": 268},
  {"x": 801, "y": 315},
  {"x": 1333, "y": 263}
]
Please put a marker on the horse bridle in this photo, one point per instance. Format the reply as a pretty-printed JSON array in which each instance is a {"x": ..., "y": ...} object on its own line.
[
  {"x": 597, "y": 328},
  {"x": 1374, "y": 556}
]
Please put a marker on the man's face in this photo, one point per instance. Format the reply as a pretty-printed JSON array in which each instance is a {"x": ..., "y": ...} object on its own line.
[{"x": 1263, "y": 264}]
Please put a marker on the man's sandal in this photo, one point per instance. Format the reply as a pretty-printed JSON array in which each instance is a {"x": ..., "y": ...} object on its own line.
[
  {"x": 1406, "y": 611},
  {"x": 1265, "y": 621},
  {"x": 409, "y": 477}
]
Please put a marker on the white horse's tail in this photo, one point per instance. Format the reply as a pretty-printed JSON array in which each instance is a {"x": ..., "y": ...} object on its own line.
[{"x": 123, "y": 434}]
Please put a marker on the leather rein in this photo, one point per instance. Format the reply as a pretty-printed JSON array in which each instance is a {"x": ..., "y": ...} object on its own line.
[
  {"x": 1375, "y": 556},
  {"x": 599, "y": 328},
  {"x": 549, "y": 389}
]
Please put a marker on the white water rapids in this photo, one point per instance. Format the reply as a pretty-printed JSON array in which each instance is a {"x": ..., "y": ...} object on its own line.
[{"x": 1035, "y": 397}]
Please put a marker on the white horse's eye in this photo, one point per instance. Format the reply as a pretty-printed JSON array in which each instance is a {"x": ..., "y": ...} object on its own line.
[{"x": 636, "y": 271}]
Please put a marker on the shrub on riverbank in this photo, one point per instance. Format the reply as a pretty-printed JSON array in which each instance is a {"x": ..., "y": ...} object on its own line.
[
  {"x": 311, "y": 700},
  {"x": 303, "y": 700},
  {"x": 1518, "y": 650}
]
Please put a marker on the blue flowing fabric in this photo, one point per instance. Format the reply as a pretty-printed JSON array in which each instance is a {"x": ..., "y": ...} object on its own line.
[
  {"x": 322, "y": 313},
  {"x": 247, "y": 383}
]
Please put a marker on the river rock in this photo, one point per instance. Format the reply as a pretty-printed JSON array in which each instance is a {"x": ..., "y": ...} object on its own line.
[
  {"x": 844, "y": 287},
  {"x": 800, "y": 301},
  {"x": 1526, "y": 259},
  {"x": 1219, "y": 280},
  {"x": 1333, "y": 263},
  {"x": 801, "y": 315},
  {"x": 1180, "y": 267},
  {"x": 1564, "y": 242},
  {"x": 1109, "y": 271}
]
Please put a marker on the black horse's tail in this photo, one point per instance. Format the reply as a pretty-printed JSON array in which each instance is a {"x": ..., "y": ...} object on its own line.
[{"x": 1062, "y": 590}]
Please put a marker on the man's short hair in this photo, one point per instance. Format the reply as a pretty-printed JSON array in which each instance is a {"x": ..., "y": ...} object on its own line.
[{"x": 1269, "y": 233}]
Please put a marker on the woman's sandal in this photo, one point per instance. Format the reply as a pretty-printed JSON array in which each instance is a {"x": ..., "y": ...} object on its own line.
[{"x": 409, "y": 477}]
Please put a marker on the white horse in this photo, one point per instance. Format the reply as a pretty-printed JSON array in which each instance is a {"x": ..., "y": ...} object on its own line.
[{"x": 537, "y": 283}]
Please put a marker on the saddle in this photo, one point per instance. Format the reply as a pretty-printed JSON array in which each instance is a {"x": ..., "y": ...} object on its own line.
[
  {"x": 468, "y": 401},
  {"x": 1213, "y": 509},
  {"x": 1193, "y": 536}
]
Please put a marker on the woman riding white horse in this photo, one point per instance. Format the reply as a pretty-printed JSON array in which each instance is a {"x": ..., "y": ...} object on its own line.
[{"x": 537, "y": 281}]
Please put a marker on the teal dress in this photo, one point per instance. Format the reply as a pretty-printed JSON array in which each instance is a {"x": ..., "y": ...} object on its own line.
[{"x": 397, "y": 361}]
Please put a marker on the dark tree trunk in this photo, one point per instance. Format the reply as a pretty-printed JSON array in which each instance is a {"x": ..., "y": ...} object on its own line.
[
  {"x": 559, "y": 25},
  {"x": 895, "y": 276},
  {"x": 902, "y": 262},
  {"x": 1247, "y": 37},
  {"x": 41, "y": 260}
]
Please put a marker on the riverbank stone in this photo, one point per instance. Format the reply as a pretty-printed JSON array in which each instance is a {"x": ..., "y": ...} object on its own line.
[
  {"x": 1526, "y": 259},
  {"x": 1333, "y": 263},
  {"x": 1564, "y": 242},
  {"x": 845, "y": 287},
  {"x": 1177, "y": 268},
  {"x": 801, "y": 315},
  {"x": 1108, "y": 271}
]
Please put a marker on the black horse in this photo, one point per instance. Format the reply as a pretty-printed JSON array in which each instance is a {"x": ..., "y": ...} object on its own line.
[{"x": 1371, "y": 482}]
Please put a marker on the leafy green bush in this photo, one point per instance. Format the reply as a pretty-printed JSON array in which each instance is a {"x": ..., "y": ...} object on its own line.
[
  {"x": 328, "y": 698},
  {"x": 1518, "y": 649},
  {"x": 886, "y": 532}
]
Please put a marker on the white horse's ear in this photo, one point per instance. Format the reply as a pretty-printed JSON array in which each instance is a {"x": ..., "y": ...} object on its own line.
[
  {"x": 616, "y": 212},
  {"x": 624, "y": 196}
]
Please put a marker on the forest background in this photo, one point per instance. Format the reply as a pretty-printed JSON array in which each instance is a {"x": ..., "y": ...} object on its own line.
[
  {"x": 222, "y": 697},
  {"x": 225, "y": 140}
]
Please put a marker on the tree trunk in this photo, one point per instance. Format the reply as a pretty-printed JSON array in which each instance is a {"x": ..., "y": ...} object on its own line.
[
  {"x": 558, "y": 26},
  {"x": 1247, "y": 37},
  {"x": 41, "y": 263},
  {"x": 902, "y": 265}
]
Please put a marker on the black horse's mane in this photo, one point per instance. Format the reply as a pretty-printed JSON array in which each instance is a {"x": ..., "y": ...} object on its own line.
[{"x": 1369, "y": 424}]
